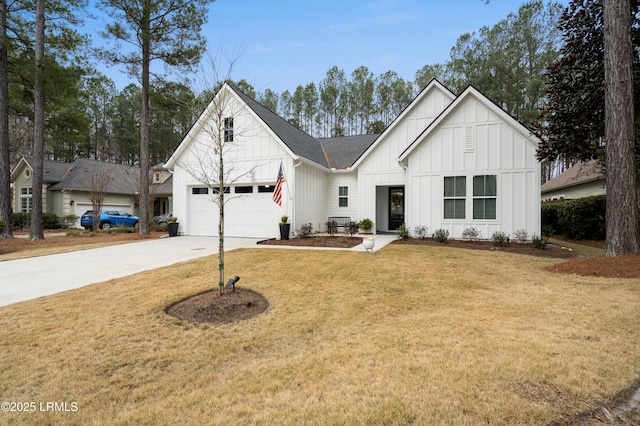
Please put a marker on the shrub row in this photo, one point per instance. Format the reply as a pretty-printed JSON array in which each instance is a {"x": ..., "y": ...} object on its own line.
[
  {"x": 49, "y": 220},
  {"x": 581, "y": 219}
]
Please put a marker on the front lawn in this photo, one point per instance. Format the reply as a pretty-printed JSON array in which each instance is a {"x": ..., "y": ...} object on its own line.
[{"x": 410, "y": 334}]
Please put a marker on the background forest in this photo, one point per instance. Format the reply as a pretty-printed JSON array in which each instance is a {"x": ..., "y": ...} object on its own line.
[{"x": 86, "y": 116}]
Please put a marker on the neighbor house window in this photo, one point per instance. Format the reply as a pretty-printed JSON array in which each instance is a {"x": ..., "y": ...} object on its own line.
[
  {"x": 455, "y": 191},
  {"x": 484, "y": 197},
  {"x": 26, "y": 199},
  {"x": 228, "y": 129},
  {"x": 343, "y": 196}
]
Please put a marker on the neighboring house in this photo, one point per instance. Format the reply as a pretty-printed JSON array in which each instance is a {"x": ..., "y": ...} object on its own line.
[
  {"x": 161, "y": 190},
  {"x": 67, "y": 187},
  {"x": 446, "y": 162},
  {"x": 583, "y": 179}
]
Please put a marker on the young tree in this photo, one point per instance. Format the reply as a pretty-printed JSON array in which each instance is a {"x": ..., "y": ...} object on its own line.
[{"x": 166, "y": 30}]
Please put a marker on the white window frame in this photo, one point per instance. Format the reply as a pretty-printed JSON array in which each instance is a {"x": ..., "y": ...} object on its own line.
[
  {"x": 486, "y": 193},
  {"x": 459, "y": 195},
  {"x": 26, "y": 194},
  {"x": 343, "y": 196}
]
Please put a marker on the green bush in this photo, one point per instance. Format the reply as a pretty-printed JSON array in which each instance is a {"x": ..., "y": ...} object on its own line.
[
  {"x": 306, "y": 230},
  {"x": 499, "y": 239},
  {"x": 441, "y": 235},
  {"x": 549, "y": 216},
  {"x": 20, "y": 220},
  {"x": 584, "y": 218},
  {"x": 69, "y": 220},
  {"x": 403, "y": 232},
  {"x": 50, "y": 221},
  {"x": 538, "y": 242}
]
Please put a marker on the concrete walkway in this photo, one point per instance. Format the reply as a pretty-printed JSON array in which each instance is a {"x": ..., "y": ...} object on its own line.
[{"x": 26, "y": 279}]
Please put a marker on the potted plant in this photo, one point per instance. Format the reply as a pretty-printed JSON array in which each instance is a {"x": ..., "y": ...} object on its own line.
[
  {"x": 285, "y": 227},
  {"x": 172, "y": 225},
  {"x": 366, "y": 225}
]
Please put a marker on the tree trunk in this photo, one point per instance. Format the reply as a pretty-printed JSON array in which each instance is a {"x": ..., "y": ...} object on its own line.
[
  {"x": 36, "y": 232},
  {"x": 143, "y": 225},
  {"x": 622, "y": 213},
  {"x": 5, "y": 162}
]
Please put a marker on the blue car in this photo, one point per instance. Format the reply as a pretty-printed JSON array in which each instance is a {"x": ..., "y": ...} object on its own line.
[{"x": 109, "y": 219}]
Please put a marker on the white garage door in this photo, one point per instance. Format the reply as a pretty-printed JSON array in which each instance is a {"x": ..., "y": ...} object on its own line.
[{"x": 251, "y": 214}]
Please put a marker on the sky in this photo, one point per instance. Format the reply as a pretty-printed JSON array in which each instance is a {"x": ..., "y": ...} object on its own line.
[{"x": 280, "y": 44}]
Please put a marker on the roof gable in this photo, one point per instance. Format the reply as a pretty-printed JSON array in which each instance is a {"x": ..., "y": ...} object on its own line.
[
  {"x": 470, "y": 93},
  {"x": 343, "y": 151},
  {"x": 52, "y": 171},
  {"x": 294, "y": 140},
  {"x": 428, "y": 89}
]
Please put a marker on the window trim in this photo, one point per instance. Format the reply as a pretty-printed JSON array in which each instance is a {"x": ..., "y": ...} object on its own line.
[
  {"x": 228, "y": 129},
  {"x": 485, "y": 196},
  {"x": 343, "y": 196},
  {"x": 27, "y": 197},
  {"x": 456, "y": 197}
]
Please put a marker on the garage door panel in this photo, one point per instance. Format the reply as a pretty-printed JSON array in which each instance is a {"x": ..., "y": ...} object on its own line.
[{"x": 246, "y": 215}]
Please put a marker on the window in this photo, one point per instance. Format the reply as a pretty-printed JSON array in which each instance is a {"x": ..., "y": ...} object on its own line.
[
  {"x": 244, "y": 189},
  {"x": 26, "y": 199},
  {"x": 455, "y": 191},
  {"x": 484, "y": 197},
  {"x": 199, "y": 191},
  {"x": 266, "y": 188},
  {"x": 228, "y": 129},
  {"x": 227, "y": 190},
  {"x": 343, "y": 196}
]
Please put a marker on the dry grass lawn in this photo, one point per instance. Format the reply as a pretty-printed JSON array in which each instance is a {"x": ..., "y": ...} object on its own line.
[{"x": 410, "y": 334}]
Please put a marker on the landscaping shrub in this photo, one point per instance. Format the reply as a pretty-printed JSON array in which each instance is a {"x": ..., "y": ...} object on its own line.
[
  {"x": 538, "y": 242},
  {"x": 584, "y": 218},
  {"x": 499, "y": 239},
  {"x": 471, "y": 234},
  {"x": 441, "y": 235},
  {"x": 549, "y": 216},
  {"x": 403, "y": 232},
  {"x": 421, "y": 231},
  {"x": 352, "y": 228},
  {"x": 20, "y": 220},
  {"x": 306, "y": 230},
  {"x": 68, "y": 221},
  {"x": 332, "y": 227},
  {"x": 50, "y": 221},
  {"x": 521, "y": 235},
  {"x": 366, "y": 225}
]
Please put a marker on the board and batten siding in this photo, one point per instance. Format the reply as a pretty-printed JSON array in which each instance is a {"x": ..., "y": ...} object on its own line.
[
  {"x": 310, "y": 197},
  {"x": 474, "y": 141},
  {"x": 335, "y": 181},
  {"x": 254, "y": 147},
  {"x": 381, "y": 168}
]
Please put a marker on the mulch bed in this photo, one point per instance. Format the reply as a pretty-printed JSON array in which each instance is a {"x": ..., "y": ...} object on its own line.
[
  {"x": 210, "y": 307},
  {"x": 316, "y": 241}
]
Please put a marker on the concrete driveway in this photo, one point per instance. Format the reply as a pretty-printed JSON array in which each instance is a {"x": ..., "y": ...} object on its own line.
[{"x": 26, "y": 279}]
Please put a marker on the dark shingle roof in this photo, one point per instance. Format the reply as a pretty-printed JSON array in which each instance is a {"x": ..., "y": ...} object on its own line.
[
  {"x": 123, "y": 179},
  {"x": 298, "y": 141},
  {"x": 581, "y": 172},
  {"x": 52, "y": 171},
  {"x": 344, "y": 151}
]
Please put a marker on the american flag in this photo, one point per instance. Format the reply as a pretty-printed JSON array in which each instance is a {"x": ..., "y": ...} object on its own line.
[{"x": 277, "y": 192}]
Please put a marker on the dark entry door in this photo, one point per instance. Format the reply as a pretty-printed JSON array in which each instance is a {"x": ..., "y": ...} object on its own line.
[{"x": 396, "y": 207}]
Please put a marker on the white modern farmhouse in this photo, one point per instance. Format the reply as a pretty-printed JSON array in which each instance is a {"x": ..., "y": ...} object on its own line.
[{"x": 446, "y": 162}]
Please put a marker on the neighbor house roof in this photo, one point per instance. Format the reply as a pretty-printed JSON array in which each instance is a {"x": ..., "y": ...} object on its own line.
[
  {"x": 577, "y": 174},
  {"x": 52, "y": 171},
  {"x": 81, "y": 175}
]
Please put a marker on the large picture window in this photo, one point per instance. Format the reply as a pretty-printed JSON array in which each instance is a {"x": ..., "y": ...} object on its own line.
[
  {"x": 484, "y": 196},
  {"x": 455, "y": 191}
]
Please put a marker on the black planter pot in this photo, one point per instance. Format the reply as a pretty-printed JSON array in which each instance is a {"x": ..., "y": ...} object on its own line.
[
  {"x": 173, "y": 229},
  {"x": 284, "y": 231}
]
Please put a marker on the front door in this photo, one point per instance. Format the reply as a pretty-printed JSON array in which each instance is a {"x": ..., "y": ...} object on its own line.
[{"x": 396, "y": 207}]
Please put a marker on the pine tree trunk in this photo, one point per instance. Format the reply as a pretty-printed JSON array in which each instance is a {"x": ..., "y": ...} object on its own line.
[
  {"x": 5, "y": 161},
  {"x": 622, "y": 216},
  {"x": 36, "y": 232},
  {"x": 143, "y": 225}
]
